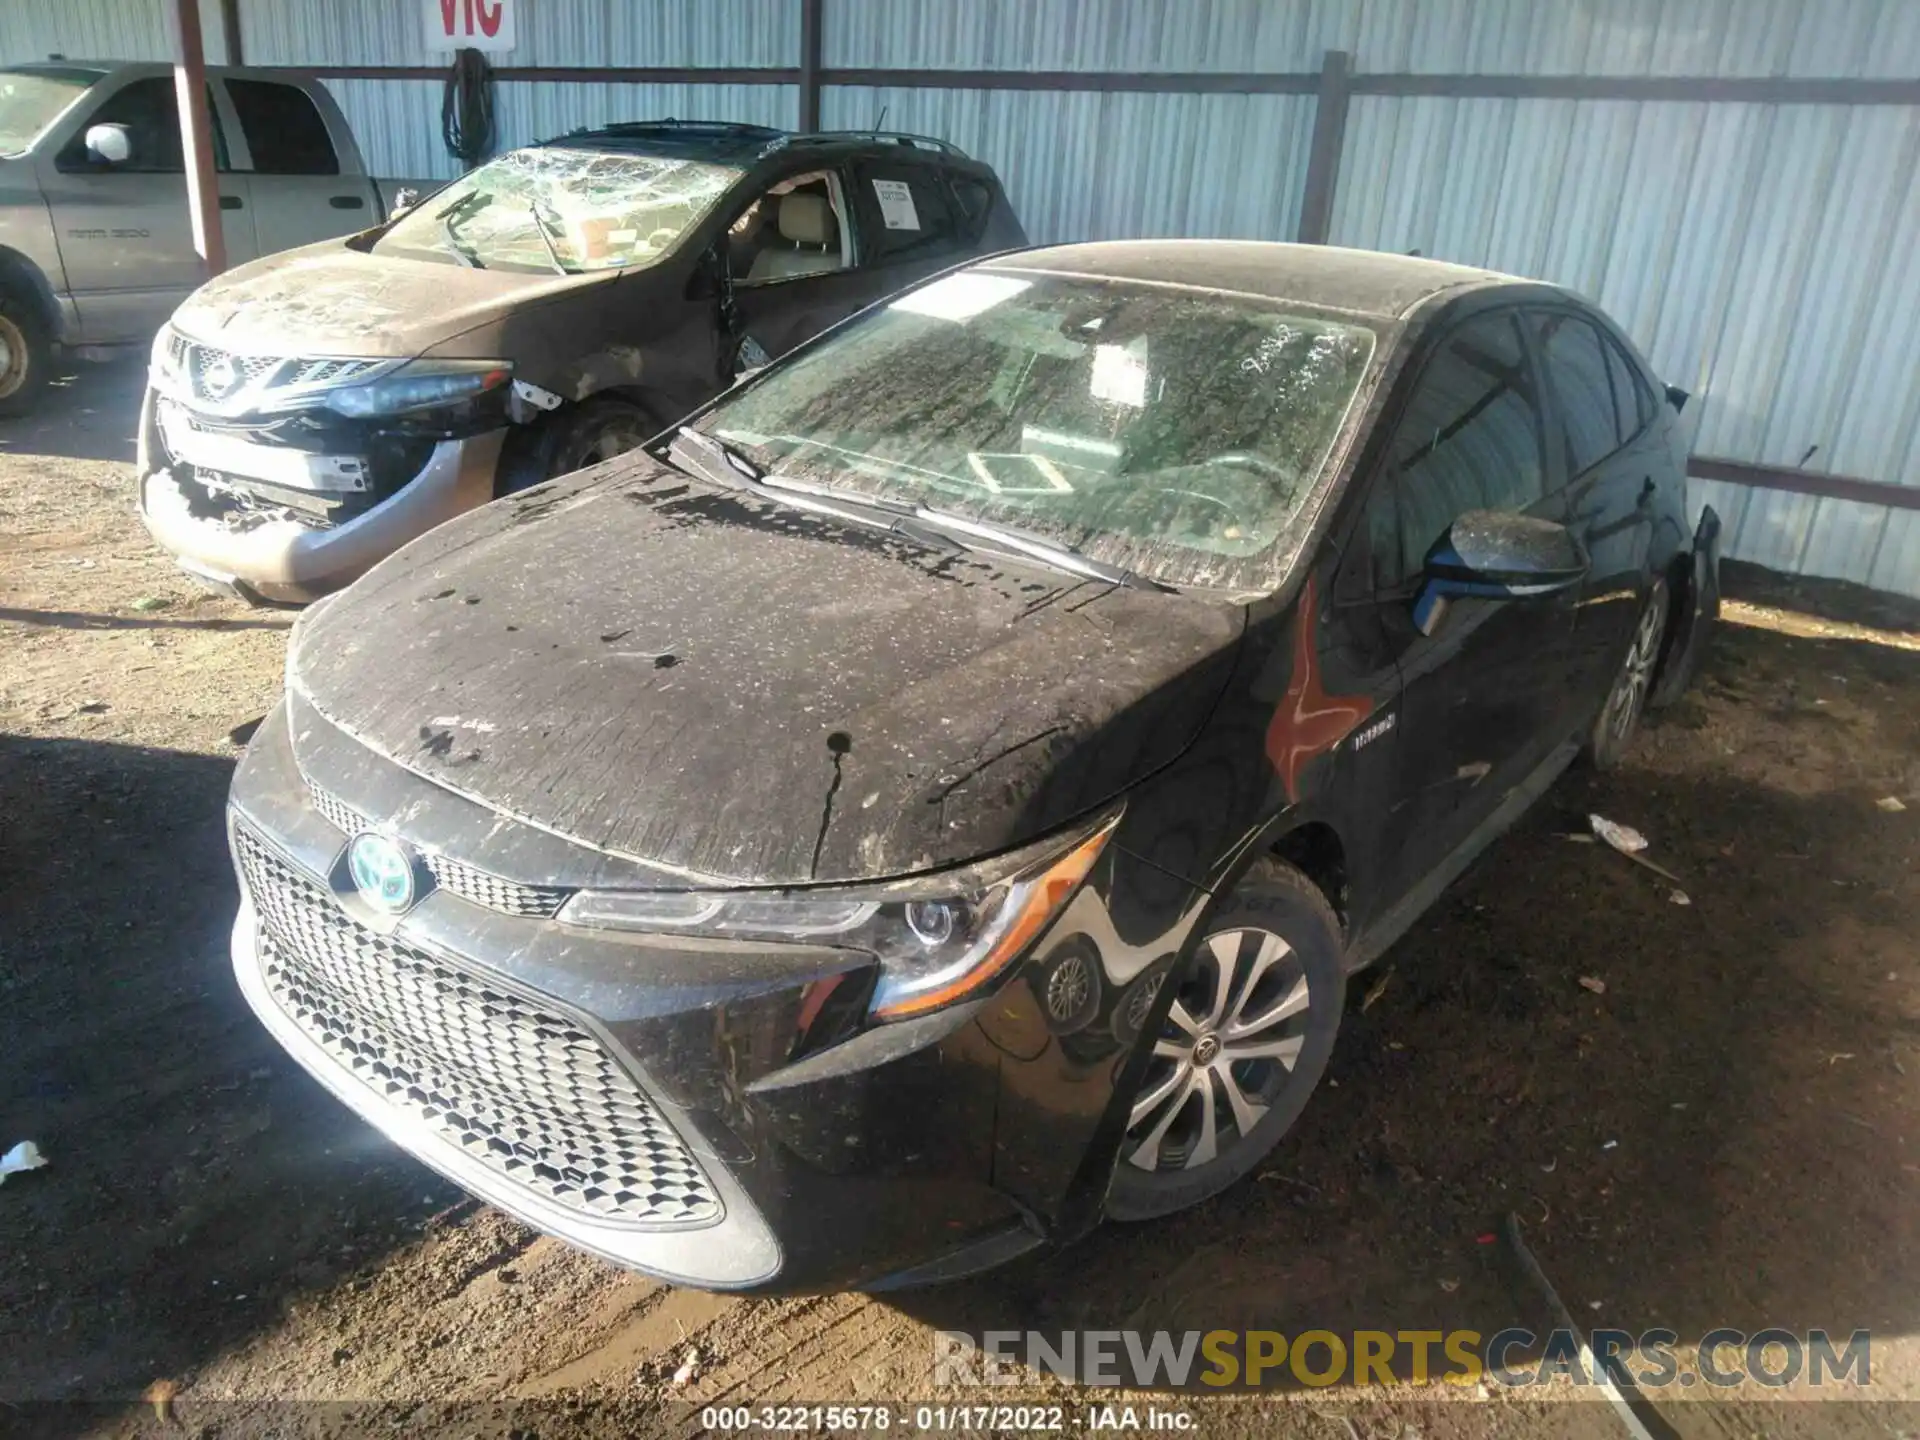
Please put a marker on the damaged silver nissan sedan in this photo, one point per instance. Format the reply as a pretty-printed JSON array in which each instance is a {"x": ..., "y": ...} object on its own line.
[{"x": 312, "y": 411}]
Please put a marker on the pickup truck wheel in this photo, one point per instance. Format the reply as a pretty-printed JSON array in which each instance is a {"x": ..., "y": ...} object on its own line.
[
  {"x": 26, "y": 357},
  {"x": 1247, "y": 1037}
]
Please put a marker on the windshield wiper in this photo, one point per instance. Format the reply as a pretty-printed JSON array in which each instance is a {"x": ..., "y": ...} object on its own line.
[
  {"x": 845, "y": 497},
  {"x": 1022, "y": 542},
  {"x": 711, "y": 459},
  {"x": 459, "y": 210},
  {"x": 714, "y": 460},
  {"x": 540, "y": 229},
  {"x": 460, "y": 252}
]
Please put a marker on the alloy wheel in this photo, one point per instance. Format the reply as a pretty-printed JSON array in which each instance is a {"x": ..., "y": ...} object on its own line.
[
  {"x": 1232, "y": 1039},
  {"x": 13, "y": 357},
  {"x": 1636, "y": 671}
]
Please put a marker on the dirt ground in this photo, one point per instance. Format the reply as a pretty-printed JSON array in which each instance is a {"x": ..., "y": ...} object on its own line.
[{"x": 1729, "y": 1135}]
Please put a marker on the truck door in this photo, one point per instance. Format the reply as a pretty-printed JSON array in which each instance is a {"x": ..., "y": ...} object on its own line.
[
  {"x": 299, "y": 192},
  {"x": 126, "y": 241}
]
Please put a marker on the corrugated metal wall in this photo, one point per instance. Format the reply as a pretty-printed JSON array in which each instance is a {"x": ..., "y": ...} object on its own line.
[
  {"x": 1766, "y": 257},
  {"x": 99, "y": 30},
  {"x": 398, "y": 121}
]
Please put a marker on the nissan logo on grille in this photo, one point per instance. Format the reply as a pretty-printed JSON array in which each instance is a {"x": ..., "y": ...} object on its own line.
[{"x": 219, "y": 375}]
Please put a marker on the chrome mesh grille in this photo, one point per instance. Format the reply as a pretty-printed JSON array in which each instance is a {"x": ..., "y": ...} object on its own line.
[
  {"x": 525, "y": 1091},
  {"x": 234, "y": 372},
  {"x": 534, "y": 902},
  {"x": 510, "y": 897},
  {"x": 336, "y": 812}
]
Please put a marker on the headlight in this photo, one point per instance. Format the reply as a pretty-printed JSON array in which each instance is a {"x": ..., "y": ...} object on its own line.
[
  {"x": 423, "y": 385},
  {"x": 937, "y": 941},
  {"x": 160, "y": 358}
]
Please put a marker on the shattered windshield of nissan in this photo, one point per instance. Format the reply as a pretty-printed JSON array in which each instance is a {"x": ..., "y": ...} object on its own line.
[
  {"x": 560, "y": 210},
  {"x": 1174, "y": 433}
]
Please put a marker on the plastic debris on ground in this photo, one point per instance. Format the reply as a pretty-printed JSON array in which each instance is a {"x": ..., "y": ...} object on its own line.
[
  {"x": 1624, "y": 838},
  {"x": 1378, "y": 989},
  {"x": 1593, "y": 983},
  {"x": 1892, "y": 804},
  {"x": 24, "y": 1156},
  {"x": 689, "y": 1368}
]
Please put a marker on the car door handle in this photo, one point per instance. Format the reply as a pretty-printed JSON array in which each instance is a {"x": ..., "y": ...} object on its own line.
[
  {"x": 348, "y": 202},
  {"x": 232, "y": 202}
]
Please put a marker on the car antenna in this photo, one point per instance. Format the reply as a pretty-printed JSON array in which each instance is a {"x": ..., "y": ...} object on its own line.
[{"x": 881, "y": 119}]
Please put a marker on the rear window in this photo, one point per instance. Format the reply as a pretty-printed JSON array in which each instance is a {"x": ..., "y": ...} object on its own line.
[
  {"x": 910, "y": 210},
  {"x": 283, "y": 129}
]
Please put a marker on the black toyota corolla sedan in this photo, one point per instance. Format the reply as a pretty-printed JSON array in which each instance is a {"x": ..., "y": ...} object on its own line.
[{"x": 935, "y": 797}]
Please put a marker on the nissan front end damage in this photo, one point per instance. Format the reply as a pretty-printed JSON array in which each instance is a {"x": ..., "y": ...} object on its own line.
[{"x": 284, "y": 477}]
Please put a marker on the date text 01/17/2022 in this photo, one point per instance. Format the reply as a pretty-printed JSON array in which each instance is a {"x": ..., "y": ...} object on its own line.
[{"x": 943, "y": 1419}]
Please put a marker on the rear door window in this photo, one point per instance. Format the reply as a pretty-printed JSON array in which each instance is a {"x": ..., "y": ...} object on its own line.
[
  {"x": 908, "y": 214},
  {"x": 284, "y": 129},
  {"x": 1576, "y": 361},
  {"x": 1632, "y": 402},
  {"x": 1469, "y": 439}
]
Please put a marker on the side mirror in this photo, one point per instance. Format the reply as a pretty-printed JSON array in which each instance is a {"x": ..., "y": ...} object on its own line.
[
  {"x": 109, "y": 144},
  {"x": 1493, "y": 556},
  {"x": 1677, "y": 398}
]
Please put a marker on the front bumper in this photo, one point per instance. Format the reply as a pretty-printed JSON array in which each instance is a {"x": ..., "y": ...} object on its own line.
[
  {"x": 897, "y": 1154},
  {"x": 285, "y": 560}
]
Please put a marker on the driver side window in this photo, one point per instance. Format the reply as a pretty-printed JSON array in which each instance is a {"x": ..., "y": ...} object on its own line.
[
  {"x": 1469, "y": 439},
  {"x": 797, "y": 228}
]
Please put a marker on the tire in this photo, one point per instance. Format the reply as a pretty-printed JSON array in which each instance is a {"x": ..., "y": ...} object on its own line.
[
  {"x": 1619, "y": 718},
  {"x": 26, "y": 356},
  {"x": 574, "y": 438},
  {"x": 1276, "y": 943}
]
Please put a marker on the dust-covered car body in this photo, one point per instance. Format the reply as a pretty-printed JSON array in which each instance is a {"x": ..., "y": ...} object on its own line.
[
  {"x": 767, "y": 882},
  {"x": 311, "y": 412}
]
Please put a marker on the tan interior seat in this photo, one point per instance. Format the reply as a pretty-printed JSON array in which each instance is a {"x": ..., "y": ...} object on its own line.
[{"x": 807, "y": 223}]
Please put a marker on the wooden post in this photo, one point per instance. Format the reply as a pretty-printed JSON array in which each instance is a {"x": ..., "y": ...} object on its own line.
[
  {"x": 1323, "y": 158},
  {"x": 810, "y": 65},
  {"x": 196, "y": 139},
  {"x": 230, "y": 30}
]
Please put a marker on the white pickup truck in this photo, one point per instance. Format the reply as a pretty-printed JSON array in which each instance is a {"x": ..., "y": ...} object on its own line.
[{"x": 96, "y": 247}]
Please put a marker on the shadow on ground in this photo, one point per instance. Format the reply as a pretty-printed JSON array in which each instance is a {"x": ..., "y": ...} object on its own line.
[
  {"x": 90, "y": 412},
  {"x": 197, "y": 1180}
]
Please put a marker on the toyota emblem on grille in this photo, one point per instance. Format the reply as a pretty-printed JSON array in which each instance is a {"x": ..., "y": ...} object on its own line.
[
  {"x": 219, "y": 375},
  {"x": 382, "y": 870}
]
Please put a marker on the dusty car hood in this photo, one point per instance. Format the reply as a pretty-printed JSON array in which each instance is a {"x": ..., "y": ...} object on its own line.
[
  {"x": 740, "y": 692},
  {"x": 330, "y": 299}
]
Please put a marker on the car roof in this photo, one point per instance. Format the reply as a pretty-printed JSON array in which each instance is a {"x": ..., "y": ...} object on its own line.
[
  {"x": 733, "y": 143},
  {"x": 1367, "y": 282}
]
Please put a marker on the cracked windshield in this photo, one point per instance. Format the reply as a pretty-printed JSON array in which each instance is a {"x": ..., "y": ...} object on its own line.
[
  {"x": 1171, "y": 433},
  {"x": 560, "y": 210}
]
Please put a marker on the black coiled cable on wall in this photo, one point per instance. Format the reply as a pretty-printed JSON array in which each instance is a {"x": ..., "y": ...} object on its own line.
[{"x": 466, "y": 108}]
